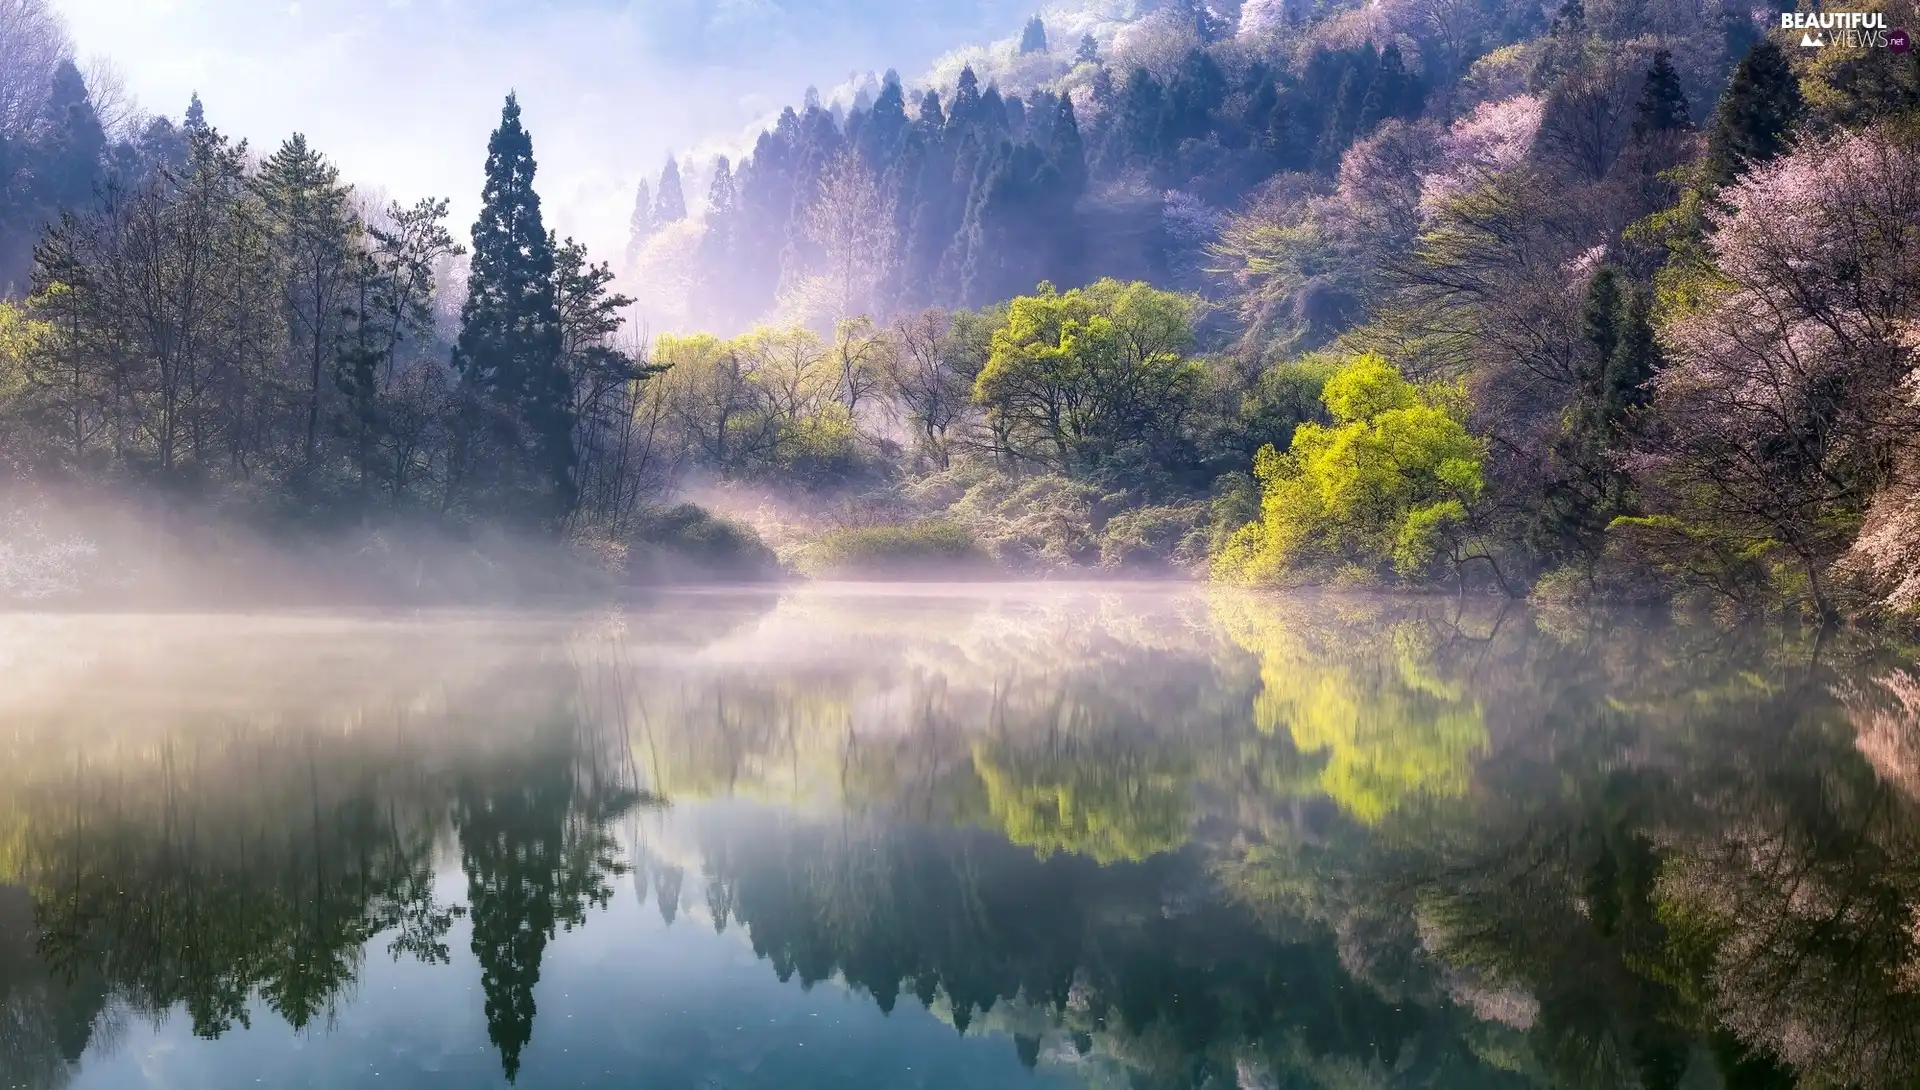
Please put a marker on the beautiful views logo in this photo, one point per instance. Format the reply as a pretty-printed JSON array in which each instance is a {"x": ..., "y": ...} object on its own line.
[{"x": 1851, "y": 29}]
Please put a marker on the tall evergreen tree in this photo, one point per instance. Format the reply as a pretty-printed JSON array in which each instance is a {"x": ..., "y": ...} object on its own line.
[
  {"x": 315, "y": 234},
  {"x": 931, "y": 116},
  {"x": 886, "y": 124},
  {"x": 1387, "y": 95},
  {"x": 1065, "y": 151},
  {"x": 1089, "y": 51},
  {"x": 1034, "y": 38},
  {"x": 509, "y": 348},
  {"x": 964, "y": 111},
  {"x": 640, "y": 222},
  {"x": 1663, "y": 105},
  {"x": 670, "y": 201},
  {"x": 714, "y": 272},
  {"x": 73, "y": 145},
  {"x": 196, "y": 119},
  {"x": 1756, "y": 115}
]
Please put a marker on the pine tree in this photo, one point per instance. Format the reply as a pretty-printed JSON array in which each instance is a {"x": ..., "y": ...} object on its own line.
[
  {"x": 315, "y": 235},
  {"x": 1034, "y": 38},
  {"x": 1599, "y": 319},
  {"x": 931, "y": 116},
  {"x": 1386, "y": 96},
  {"x": 639, "y": 223},
  {"x": 1089, "y": 51},
  {"x": 669, "y": 202},
  {"x": 964, "y": 112},
  {"x": 508, "y": 353},
  {"x": 1341, "y": 121},
  {"x": 1133, "y": 135},
  {"x": 886, "y": 124},
  {"x": 1755, "y": 117},
  {"x": 73, "y": 147},
  {"x": 1663, "y": 105},
  {"x": 714, "y": 272},
  {"x": 1065, "y": 151},
  {"x": 196, "y": 119}
]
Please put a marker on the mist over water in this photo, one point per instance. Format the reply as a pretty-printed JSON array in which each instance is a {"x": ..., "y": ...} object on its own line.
[{"x": 953, "y": 836}]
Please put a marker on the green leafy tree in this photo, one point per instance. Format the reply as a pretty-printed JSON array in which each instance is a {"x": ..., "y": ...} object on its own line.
[
  {"x": 1074, "y": 377},
  {"x": 511, "y": 340},
  {"x": 1393, "y": 481}
]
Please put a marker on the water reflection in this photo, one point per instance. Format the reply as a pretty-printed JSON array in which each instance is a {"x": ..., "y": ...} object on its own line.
[{"x": 1153, "y": 839}]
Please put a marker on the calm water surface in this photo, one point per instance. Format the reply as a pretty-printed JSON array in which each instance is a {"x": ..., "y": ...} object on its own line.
[{"x": 859, "y": 837}]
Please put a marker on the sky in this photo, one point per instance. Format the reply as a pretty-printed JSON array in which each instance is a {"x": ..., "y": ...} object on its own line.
[{"x": 402, "y": 93}]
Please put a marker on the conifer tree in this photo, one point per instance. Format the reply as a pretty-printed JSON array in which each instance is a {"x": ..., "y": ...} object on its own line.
[
  {"x": 931, "y": 116},
  {"x": 509, "y": 349},
  {"x": 715, "y": 267},
  {"x": 1065, "y": 151},
  {"x": 964, "y": 111},
  {"x": 315, "y": 232},
  {"x": 1089, "y": 51},
  {"x": 1034, "y": 38},
  {"x": 670, "y": 201},
  {"x": 886, "y": 124},
  {"x": 1341, "y": 120},
  {"x": 73, "y": 145},
  {"x": 1663, "y": 105},
  {"x": 1386, "y": 96},
  {"x": 196, "y": 119},
  {"x": 1755, "y": 117},
  {"x": 640, "y": 223}
]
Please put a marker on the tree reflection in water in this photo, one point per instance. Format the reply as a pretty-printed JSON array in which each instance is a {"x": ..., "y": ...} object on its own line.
[{"x": 1159, "y": 840}]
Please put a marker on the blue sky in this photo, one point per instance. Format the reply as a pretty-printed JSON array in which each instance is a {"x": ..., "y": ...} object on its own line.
[{"x": 402, "y": 93}]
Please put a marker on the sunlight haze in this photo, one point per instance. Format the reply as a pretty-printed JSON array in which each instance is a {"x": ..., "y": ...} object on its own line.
[{"x": 402, "y": 93}]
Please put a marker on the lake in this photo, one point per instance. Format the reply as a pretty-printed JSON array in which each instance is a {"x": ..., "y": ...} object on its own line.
[{"x": 956, "y": 837}]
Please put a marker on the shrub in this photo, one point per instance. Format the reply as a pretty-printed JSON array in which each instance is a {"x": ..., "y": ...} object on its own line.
[
  {"x": 921, "y": 549},
  {"x": 688, "y": 542}
]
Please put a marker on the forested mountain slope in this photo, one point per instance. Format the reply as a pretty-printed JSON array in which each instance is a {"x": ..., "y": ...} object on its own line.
[{"x": 1586, "y": 300}]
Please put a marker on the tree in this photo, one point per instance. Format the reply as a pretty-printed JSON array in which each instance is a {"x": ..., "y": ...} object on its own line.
[
  {"x": 510, "y": 344},
  {"x": 921, "y": 376},
  {"x": 33, "y": 46},
  {"x": 1786, "y": 402},
  {"x": 852, "y": 222},
  {"x": 670, "y": 203},
  {"x": 1089, "y": 51},
  {"x": 639, "y": 223},
  {"x": 1392, "y": 481},
  {"x": 72, "y": 145},
  {"x": 1663, "y": 105},
  {"x": 1034, "y": 38},
  {"x": 1074, "y": 378},
  {"x": 316, "y": 234},
  {"x": 390, "y": 305},
  {"x": 1756, "y": 115},
  {"x": 714, "y": 278}
]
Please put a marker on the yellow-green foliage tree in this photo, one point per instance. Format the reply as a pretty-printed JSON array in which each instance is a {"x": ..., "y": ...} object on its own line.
[
  {"x": 769, "y": 401},
  {"x": 1392, "y": 481},
  {"x": 1072, "y": 378}
]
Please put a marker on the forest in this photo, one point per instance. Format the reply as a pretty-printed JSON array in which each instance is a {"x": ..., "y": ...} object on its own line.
[{"x": 1589, "y": 301}]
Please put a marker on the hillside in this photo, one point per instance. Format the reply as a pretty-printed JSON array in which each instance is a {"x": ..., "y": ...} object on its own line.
[{"x": 1591, "y": 302}]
